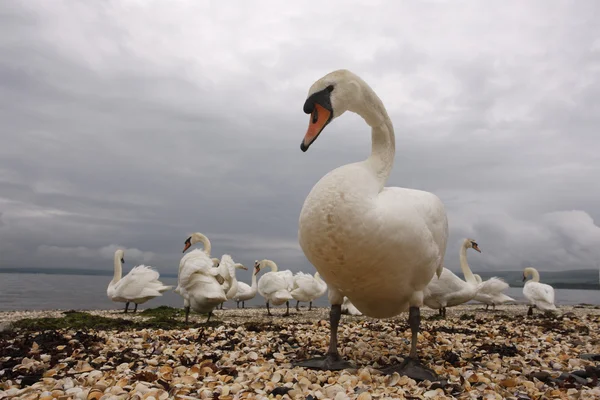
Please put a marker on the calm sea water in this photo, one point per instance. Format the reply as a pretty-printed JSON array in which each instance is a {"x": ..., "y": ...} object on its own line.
[{"x": 82, "y": 292}]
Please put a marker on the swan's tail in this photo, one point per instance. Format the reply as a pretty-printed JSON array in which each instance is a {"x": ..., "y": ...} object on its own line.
[{"x": 280, "y": 297}]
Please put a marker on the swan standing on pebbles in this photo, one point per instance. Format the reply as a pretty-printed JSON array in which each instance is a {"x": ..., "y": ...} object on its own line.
[
  {"x": 246, "y": 292},
  {"x": 199, "y": 283},
  {"x": 308, "y": 288},
  {"x": 379, "y": 246},
  {"x": 449, "y": 290},
  {"x": 540, "y": 295},
  {"x": 491, "y": 292},
  {"x": 275, "y": 286},
  {"x": 138, "y": 286},
  {"x": 230, "y": 286}
]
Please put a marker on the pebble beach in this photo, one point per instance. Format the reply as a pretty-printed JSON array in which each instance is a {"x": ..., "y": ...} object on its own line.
[{"x": 244, "y": 354}]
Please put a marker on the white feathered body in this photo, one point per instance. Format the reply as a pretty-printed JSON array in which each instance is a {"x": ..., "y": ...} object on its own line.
[
  {"x": 246, "y": 292},
  {"x": 378, "y": 247},
  {"x": 348, "y": 308},
  {"x": 198, "y": 283},
  {"x": 449, "y": 290},
  {"x": 307, "y": 287},
  {"x": 276, "y": 286},
  {"x": 539, "y": 294},
  {"x": 138, "y": 286},
  {"x": 491, "y": 292}
]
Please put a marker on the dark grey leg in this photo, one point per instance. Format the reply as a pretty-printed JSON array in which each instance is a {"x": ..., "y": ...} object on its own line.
[
  {"x": 332, "y": 360},
  {"x": 209, "y": 315},
  {"x": 135, "y": 309},
  {"x": 287, "y": 309},
  {"x": 187, "y": 314},
  {"x": 268, "y": 309},
  {"x": 530, "y": 312},
  {"x": 126, "y": 307},
  {"x": 297, "y": 305},
  {"x": 411, "y": 366},
  {"x": 310, "y": 306}
]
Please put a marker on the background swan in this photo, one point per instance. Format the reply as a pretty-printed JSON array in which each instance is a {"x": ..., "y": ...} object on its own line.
[
  {"x": 538, "y": 294},
  {"x": 138, "y": 286},
  {"x": 246, "y": 292},
  {"x": 227, "y": 269},
  {"x": 197, "y": 272},
  {"x": 449, "y": 290},
  {"x": 348, "y": 308},
  {"x": 307, "y": 288},
  {"x": 379, "y": 246},
  {"x": 275, "y": 286},
  {"x": 490, "y": 292}
]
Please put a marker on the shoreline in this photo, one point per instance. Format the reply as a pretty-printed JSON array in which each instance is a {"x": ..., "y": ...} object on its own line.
[{"x": 244, "y": 354}]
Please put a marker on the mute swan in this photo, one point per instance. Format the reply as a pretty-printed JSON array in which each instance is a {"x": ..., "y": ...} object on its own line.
[
  {"x": 491, "y": 292},
  {"x": 138, "y": 286},
  {"x": 230, "y": 286},
  {"x": 198, "y": 275},
  {"x": 540, "y": 295},
  {"x": 275, "y": 286},
  {"x": 379, "y": 246},
  {"x": 348, "y": 308},
  {"x": 449, "y": 290},
  {"x": 307, "y": 288},
  {"x": 245, "y": 291}
]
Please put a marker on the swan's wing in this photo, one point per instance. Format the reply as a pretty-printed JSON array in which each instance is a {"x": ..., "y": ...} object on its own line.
[
  {"x": 494, "y": 285},
  {"x": 271, "y": 282},
  {"x": 540, "y": 294}
]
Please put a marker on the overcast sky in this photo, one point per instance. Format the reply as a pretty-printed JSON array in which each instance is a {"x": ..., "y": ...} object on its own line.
[{"x": 136, "y": 123}]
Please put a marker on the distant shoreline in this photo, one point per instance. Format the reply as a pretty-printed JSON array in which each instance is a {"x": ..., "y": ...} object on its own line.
[{"x": 575, "y": 279}]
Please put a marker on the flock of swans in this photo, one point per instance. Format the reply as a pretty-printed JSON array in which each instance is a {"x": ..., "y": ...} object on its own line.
[{"x": 379, "y": 250}]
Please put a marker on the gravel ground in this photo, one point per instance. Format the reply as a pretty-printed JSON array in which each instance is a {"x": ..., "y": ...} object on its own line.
[{"x": 244, "y": 354}]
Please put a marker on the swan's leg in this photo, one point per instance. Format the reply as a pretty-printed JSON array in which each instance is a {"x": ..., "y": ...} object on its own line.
[
  {"x": 332, "y": 360},
  {"x": 237, "y": 304},
  {"x": 440, "y": 312},
  {"x": 126, "y": 307},
  {"x": 209, "y": 315},
  {"x": 487, "y": 306},
  {"x": 187, "y": 314},
  {"x": 268, "y": 309},
  {"x": 243, "y": 304},
  {"x": 411, "y": 366},
  {"x": 287, "y": 309},
  {"x": 530, "y": 312},
  {"x": 135, "y": 309},
  {"x": 494, "y": 307},
  {"x": 310, "y": 306}
]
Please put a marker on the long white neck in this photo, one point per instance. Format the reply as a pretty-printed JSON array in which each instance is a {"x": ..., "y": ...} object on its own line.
[
  {"x": 320, "y": 281},
  {"x": 535, "y": 276},
  {"x": 253, "y": 287},
  {"x": 118, "y": 268},
  {"x": 200, "y": 238},
  {"x": 464, "y": 266},
  {"x": 271, "y": 264},
  {"x": 383, "y": 140}
]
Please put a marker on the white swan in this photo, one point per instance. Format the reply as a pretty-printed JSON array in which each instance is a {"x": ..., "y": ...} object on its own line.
[
  {"x": 246, "y": 292},
  {"x": 449, "y": 290},
  {"x": 379, "y": 246},
  {"x": 275, "y": 286},
  {"x": 490, "y": 292},
  {"x": 348, "y": 308},
  {"x": 227, "y": 267},
  {"x": 307, "y": 288},
  {"x": 538, "y": 294},
  {"x": 138, "y": 286},
  {"x": 199, "y": 282}
]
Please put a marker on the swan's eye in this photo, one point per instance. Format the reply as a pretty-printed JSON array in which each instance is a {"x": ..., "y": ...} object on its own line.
[
  {"x": 330, "y": 88},
  {"x": 315, "y": 116}
]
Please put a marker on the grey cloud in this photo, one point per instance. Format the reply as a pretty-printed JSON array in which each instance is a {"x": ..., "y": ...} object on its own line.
[{"x": 118, "y": 129}]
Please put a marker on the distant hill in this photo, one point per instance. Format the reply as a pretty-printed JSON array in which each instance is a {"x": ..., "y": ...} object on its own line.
[
  {"x": 585, "y": 279},
  {"x": 68, "y": 271}
]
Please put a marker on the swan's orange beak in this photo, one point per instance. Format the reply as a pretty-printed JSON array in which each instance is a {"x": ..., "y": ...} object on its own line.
[
  {"x": 187, "y": 246},
  {"x": 476, "y": 247},
  {"x": 319, "y": 118}
]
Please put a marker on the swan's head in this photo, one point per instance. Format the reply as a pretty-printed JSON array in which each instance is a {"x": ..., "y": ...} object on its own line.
[
  {"x": 216, "y": 262},
  {"x": 257, "y": 267},
  {"x": 471, "y": 243},
  {"x": 526, "y": 272},
  {"x": 328, "y": 98},
  {"x": 477, "y": 278},
  {"x": 120, "y": 255},
  {"x": 195, "y": 238}
]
